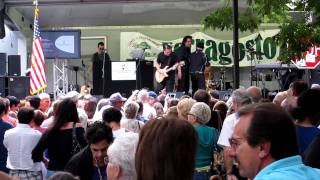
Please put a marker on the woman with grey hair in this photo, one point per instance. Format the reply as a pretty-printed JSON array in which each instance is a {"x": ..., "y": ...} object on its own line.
[
  {"x": 130, "y": 122},
  {"x": 199, "y": 116},
  {"x": 99, "y": 109},
  {"x": 121, "y": 157}
]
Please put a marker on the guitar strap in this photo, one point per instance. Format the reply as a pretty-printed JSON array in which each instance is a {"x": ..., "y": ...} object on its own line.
[{"x": 204, "y": 56}]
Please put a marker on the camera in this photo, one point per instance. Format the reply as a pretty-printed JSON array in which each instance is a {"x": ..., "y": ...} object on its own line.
[{"x": 172, "y": 95}]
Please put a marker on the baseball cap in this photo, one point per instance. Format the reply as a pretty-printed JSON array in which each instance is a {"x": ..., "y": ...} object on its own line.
[
  {"x": 152, "y": 94},
  {"x": 117, "y": 97},
  {"x": 200, "y": 45}
]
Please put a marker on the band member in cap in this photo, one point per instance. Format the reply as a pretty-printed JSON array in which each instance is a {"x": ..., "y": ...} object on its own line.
[
  {"x": 198, "y": 61},
  {"x": 165, "y": 61}
]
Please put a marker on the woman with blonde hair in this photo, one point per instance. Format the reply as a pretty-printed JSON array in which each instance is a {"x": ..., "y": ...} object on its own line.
[{"x": 184, "y": 107}]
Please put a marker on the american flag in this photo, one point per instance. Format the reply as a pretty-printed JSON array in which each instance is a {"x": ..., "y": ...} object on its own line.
[{"x": 38, "y": 80}]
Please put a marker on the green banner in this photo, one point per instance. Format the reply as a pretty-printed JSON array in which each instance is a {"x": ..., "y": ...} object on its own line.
[{"x": 219, "y": 51}]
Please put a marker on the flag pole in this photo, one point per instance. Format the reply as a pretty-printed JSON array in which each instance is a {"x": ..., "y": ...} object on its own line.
[
  {"x": 38, "y": 80},
  {"x": 35, "y": 2}
]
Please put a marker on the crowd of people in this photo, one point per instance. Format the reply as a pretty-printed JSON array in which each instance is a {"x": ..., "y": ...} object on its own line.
[{"x": 150, "y": 136}]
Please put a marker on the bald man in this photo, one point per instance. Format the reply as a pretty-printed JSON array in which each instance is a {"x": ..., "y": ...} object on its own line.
[{"x": 256, "y": 93}]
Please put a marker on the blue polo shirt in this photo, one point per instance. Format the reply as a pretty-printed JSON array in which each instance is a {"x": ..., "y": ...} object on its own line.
[{"x": 288, "y": 168}]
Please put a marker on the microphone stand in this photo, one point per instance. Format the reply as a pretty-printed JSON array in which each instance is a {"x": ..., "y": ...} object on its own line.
[
  {"x": 138, "y": 73},
  {"x": 103, "y": 73},
  {"x": 85, "y": 72}
]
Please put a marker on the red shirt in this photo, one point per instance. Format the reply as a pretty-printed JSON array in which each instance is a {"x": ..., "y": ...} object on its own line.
[{"x": 10, "y": 120}]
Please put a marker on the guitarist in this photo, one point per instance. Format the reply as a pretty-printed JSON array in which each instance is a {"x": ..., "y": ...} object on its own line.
[{"x": 165, "y": 60}]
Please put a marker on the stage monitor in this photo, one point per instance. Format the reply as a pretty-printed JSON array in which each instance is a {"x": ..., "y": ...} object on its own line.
[{"x": 61, "y": 44}]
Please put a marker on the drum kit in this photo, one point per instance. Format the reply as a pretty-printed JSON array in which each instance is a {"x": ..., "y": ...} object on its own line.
[{"x": 221, "y": 84}]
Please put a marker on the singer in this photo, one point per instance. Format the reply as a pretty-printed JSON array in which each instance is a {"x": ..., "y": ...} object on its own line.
[{"x": 99, "y": 60}]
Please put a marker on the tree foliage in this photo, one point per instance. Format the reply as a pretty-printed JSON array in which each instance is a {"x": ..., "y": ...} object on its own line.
[{"x": 295, "y": 36}]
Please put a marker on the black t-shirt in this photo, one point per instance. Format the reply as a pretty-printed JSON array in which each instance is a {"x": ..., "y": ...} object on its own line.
[
  {"x": 183, "y": 54},
  {"x": 59, "y": 145},
  {"x": 97, "y": 64},
  {"x": 164, "y": 60}
]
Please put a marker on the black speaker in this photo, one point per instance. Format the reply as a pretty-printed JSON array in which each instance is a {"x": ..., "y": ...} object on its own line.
[
  {"x": 2, "y": 86},
  {"x": 145, "y": 74},
  {"x": 315, "y": 76},
  {"x": 14, "y": 65},
  {"x": 18, "y": 86},
  {"x": 2, "y": 30},
  {"x": 3, "y": 64}
]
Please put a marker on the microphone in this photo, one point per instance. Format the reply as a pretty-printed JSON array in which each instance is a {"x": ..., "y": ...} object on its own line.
[{"x": 82, "y": 63}]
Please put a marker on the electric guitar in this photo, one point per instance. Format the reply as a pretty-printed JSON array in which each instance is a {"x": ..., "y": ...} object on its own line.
[{"x": 160, "y": 75}]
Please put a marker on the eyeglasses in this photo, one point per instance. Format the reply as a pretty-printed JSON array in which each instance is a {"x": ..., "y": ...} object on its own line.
[
  {"x": 192, "y": 115},
  {"x": 234, "y": 143}
]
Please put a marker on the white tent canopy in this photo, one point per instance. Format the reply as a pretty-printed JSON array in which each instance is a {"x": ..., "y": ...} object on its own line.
[{"x": 82, "y": 13}]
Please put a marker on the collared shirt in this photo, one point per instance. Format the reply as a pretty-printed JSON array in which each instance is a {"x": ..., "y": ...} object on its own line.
[
  {"x": 288, "y": 168},
  {"x": 132, "y": 125},
  {"x": 99, "y": 173},
  {"x": 20, "y": 142},
  {"x": 118, "y": 132}
]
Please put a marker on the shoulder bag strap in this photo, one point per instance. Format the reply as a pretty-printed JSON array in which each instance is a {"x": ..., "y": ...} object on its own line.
[
  {"x": 74, "y": 133},
  {"x": 219, "y": 120}
]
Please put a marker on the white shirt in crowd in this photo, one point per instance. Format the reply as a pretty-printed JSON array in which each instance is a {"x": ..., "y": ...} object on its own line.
[
  {"x": 227, "y": 129},
  {"x": 46, "y": 123},
  {"x": 148, "y": 111},
  {"x": 118, "y": 132},
  {"x": 20, "y": 141},
  {"x": 82, "y": 117},
  {"x": 132, "y": 125}
]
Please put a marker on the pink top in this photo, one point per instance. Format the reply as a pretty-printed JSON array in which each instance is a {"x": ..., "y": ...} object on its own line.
[{"x": 10, "y": 120}]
